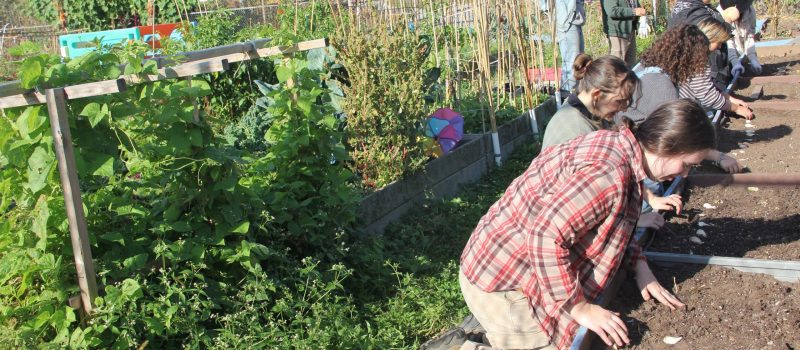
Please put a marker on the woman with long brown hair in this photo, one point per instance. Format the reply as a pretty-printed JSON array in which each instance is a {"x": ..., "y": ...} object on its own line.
[{"x": 676, "y": 66}]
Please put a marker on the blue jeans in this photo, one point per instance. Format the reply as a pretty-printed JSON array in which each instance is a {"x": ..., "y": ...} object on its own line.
[
  {"x": 570, "y": 43},
  {"x": 654, "y": 187}
]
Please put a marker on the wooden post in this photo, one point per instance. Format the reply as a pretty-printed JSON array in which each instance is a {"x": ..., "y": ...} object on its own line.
[{"x": 78, "y": 231}]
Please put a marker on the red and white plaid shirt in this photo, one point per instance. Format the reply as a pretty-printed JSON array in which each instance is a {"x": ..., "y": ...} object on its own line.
[{"x": 560, "y": 231}]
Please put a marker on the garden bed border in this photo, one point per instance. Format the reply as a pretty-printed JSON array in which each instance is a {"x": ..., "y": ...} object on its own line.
[{"x": 444, "y": 176}]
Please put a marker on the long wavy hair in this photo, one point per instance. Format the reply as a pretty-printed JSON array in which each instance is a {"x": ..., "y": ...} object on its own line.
[{"x": 681, "y": 52}]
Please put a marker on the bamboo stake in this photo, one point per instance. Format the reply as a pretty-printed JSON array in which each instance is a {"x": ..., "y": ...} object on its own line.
[
  {"x": 435, "y": 37},
  {"x": 457, "y": 94},
  {"x": 540, "y": 43},
  {"x": 295, "y": 16},
  {"x": 532, "y": 47},
  {"x": 556, "y": 76},
  {"x": 313, "y": 7}
]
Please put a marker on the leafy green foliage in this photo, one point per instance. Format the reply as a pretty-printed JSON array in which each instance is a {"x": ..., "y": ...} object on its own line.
[
  {"x": 384, "y": 103},
  {"x": 177, "y": 218},
  {"x": 95, "y": 15}
]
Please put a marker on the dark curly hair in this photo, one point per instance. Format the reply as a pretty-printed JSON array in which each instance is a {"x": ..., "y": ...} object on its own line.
[{"x": 681, "y": 52}]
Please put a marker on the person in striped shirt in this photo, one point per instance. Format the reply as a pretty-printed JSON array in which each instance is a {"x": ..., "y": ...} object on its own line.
[
  {"x": 680, "y": 58},
  {"x": 676, "y": 66},
  {"x": 546, "y": 250}
]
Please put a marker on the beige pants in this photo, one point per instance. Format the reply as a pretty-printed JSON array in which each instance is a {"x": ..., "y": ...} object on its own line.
[
  {"x": 507, "y": 318},
  {"x": 624, "y": 48}
]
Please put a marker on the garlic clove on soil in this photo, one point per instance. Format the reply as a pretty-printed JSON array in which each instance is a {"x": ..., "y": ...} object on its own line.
[
  {"x": 701, "y": 233},
  {"x": 672, "y": 340},
  {"x": 703, "y": 224},
  {"x": 708, "y": 206},
  {"x": 695, "y": 240}
]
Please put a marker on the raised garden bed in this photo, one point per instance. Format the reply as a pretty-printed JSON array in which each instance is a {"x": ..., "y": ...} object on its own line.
[
  {"x": 747, "y": 222},
  {"x": 444, "y": 176},
  {"x": 726, "y": 309}
]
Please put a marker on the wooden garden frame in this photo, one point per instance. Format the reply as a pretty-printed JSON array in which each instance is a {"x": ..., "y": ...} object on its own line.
[{"x": 210, "y": 60}]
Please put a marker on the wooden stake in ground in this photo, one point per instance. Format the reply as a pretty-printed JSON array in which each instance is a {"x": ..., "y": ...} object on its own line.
[{"x": 78, "y": 231}]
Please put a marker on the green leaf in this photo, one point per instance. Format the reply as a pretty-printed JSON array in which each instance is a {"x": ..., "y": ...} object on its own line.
[
  {"x": 196, "y": 137},
  {"x": 181, "y": 226},
  {"x": 136, "y": 262},
  {"x": 242, "y": 228},
  {"x": 39, "y": 166},
  {"x": 102, "y": 164},
  {"x": 283, "y": 73},
  {"x": 316, "y": 59},
  {"x": 39, "y": 225},
  {"x": 95, "y": 112},
  {"x": 31, "y": 72},
  {"x": 150, "y": 67},
  {"x": 179, "y": 141},
  {"x": 305, "y": 105},
  {"x": 30, "y": 120},
  {"x": 131, "y": 288},
  {"x": 116, "y": 237}
]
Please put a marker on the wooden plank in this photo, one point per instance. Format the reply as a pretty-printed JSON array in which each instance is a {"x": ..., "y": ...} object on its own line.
[
  {"x": 74, "y": 91},
  {"x": 12, "y": 87},
  {"x": 106, "y": 87},
  {"x": 193, "y": 68},
  {"x": 183, "y": 70},
  {"x": 215, "y": 52},
  {"x": 783, "y": 269},
  {"x": 95, "y": 89},
  {"x": 27, "y": 99},
  {"x": 275, "y": 50},
  {"x": 78, "y": 231}
]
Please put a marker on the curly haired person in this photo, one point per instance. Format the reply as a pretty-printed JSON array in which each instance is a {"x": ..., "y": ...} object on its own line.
[{"x": 676, "y": 66}]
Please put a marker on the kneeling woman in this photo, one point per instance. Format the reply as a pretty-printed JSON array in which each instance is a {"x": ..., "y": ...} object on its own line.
[{"x": 549, "y": 247}]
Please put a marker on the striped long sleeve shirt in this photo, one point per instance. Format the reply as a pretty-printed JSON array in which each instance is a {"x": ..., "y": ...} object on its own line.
[
  {"x": 560, "y": 230},
  {"x": 701, "y": 88}
]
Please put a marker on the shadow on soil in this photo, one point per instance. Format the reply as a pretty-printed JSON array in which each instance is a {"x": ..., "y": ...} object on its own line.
[{"x": 730, "y": 139}]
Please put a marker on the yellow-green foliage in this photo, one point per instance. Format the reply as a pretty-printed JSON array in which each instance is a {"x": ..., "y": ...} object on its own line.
[{"x": 384, "y": 102}]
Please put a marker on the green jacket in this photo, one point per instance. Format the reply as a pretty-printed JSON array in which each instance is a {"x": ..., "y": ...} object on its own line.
[{"x": 618, "y": 18}]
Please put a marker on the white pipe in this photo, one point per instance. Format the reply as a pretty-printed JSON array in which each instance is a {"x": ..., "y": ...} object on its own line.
[
  {"x": 496, "y": 147},
  {"x": 534, "y": 125},
  {"x": 3, "y": 38}
]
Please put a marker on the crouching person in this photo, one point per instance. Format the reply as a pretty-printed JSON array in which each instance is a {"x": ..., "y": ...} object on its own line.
[{"x": 552, "y": 243}]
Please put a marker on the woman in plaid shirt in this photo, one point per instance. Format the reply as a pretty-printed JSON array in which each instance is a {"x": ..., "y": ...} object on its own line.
[{"x": 549, "y": 247}]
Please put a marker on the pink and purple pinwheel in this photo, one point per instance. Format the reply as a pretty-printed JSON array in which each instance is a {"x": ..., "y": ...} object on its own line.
[{"x": 447, "y": 127}]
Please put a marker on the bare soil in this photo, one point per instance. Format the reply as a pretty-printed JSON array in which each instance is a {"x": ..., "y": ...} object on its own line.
[
  {"x": 726, "y": 309},
  {"x": 778, "y": 65}
]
